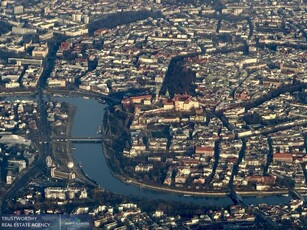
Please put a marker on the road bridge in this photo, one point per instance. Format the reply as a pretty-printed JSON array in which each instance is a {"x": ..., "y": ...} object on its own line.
[
  {"x": 236, "y": 198},
  {"x": 80, "y": 139},
  {"x": 297, "y": 194}
]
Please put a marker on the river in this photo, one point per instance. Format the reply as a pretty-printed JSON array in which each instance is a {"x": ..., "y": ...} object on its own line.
[
  {"x": 88, "y": 117},
  {"x": 86, "y": 121}
]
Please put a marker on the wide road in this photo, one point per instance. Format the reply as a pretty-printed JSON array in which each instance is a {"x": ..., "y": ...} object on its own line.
[
  {"x": 42, "y": 140},
  {"x": 36, "y": 169}
]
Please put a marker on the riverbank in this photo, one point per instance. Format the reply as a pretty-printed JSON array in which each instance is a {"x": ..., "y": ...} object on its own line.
[
  {"x": 108, "y": 152},
  {"x": 17, "y": 93},
  {"x": 129, "y": 180},
  {"x": 63, "y": 151},
  {"x": 262, "y": 193}
]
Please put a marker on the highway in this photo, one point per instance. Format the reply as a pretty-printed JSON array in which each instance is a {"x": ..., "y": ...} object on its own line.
[
  {"x": 39, "y": 166},
  {"x": 43, "y": 136}
]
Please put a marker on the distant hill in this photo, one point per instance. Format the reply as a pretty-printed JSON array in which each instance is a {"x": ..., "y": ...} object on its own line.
[
  {"x": 121, "y": 18},
  {"x": 178, "y": 79}
]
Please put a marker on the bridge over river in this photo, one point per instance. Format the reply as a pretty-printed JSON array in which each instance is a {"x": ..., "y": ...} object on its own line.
[{"x": 80, "y": 139}]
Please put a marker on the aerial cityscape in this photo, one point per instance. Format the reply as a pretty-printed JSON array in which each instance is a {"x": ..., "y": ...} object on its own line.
[{"x": 153, "y": 114}]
